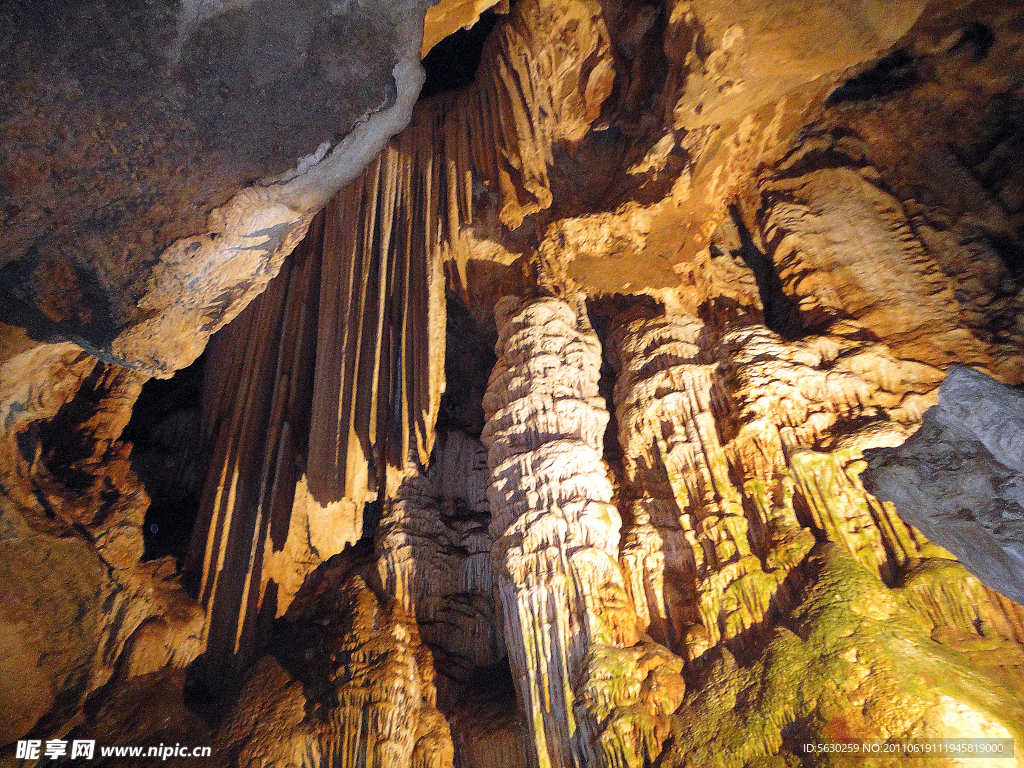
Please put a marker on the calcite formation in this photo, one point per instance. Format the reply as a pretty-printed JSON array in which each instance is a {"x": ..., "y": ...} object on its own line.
[
  {"x": 700, "y": 570},
  {"x": 434, "y": 550},
  {"x": 572, "y": 636},
  {"x": 724, "y": 257},
  {"x": 358, "y": 690},
  {"x": 304, "y": 431}
]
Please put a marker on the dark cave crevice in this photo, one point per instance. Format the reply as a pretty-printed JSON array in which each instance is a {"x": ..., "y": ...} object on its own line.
[
  {"x": 168, "y": 458},
  {"x": 892, "y": 73},
  {"x": 975, "y": 37},
  {"x": 780, "y": 312},
  {"x": 469, "y": 360},
  {"x": 453, "y": 62},
  {"x": 64, "y": 443}
]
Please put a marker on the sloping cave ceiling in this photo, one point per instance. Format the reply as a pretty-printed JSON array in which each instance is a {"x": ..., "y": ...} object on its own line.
[{"x": 554, "y": 418}]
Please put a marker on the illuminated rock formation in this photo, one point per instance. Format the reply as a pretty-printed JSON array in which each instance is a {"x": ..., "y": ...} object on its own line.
[
  {"x": 80, "y": 610},
  {"x": 722, "y": 254},
  {"x": 358, "y": 691},
  {"x": 305, "y": 424},
  {"x": 572, "y": 636}
]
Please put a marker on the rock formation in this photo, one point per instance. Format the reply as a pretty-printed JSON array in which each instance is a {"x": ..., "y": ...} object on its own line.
[
  {"x": 956, "y": 478},
  {"x": 531, "y": 418},
  {"x": 305, "y": 426},
  {"x": 179, "y": 181},
  {"x": 592, "y": 692}
]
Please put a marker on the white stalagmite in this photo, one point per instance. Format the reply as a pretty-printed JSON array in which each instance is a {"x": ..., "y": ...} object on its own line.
[{"x": 569, "y": 627}]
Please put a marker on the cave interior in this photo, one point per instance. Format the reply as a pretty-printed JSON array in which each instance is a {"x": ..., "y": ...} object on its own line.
[{"x": 634, "y": 384}]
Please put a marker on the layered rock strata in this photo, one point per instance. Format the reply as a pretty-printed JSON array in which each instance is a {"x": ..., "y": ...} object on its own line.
[{"x": 574, "y": 647}]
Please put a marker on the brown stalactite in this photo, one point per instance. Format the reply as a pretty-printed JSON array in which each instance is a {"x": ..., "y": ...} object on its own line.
[{"x": 324, "y": 382}]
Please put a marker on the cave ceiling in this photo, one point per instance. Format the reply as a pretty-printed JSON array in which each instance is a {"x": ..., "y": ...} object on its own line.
[{"x": 631, "y": 384}]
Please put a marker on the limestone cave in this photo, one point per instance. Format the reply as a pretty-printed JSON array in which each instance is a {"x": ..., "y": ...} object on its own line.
[{"x": 530, "y": 384}]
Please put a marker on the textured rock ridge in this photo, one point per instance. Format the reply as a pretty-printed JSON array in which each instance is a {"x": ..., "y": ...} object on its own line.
[
  {"x": 572, "y": 636},
  {"x": 741, "y": 453},
  {"x": 329, "y": 378},
  {"x": 358, "y": 690},
  {"x": 181, "y": 179},
  {"x": 957, "y": 478}
]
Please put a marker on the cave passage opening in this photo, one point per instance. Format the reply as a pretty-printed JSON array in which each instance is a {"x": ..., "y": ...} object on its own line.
[
  {"x": 453, "y": 62},
  {"x": 169, "y": 459}
]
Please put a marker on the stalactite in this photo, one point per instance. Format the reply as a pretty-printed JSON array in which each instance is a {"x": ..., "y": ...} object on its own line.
[
  {"x": 325, "y": 381},
  {"x": 255, "y": 417},
  {"x": 573, "y": 640},
  {"x": 701, "y": 566}
]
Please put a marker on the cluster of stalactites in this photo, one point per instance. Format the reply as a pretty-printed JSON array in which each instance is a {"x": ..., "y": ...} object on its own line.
[
  {"x": 329, "y": 378},
  {"x": 333, "y": 374},
  {"x": 493, "y": 143},
  {"x": 700, "y": 568}
]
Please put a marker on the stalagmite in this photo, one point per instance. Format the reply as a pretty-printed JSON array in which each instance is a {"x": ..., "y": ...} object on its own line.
[
  {"x": 358, "y": 690},
  {"x": 572, "y": 636},
  {"x": 434, "y": 550}
]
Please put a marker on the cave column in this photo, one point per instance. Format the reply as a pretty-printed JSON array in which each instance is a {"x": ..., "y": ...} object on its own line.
[{"x": 555, "y": 530}]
